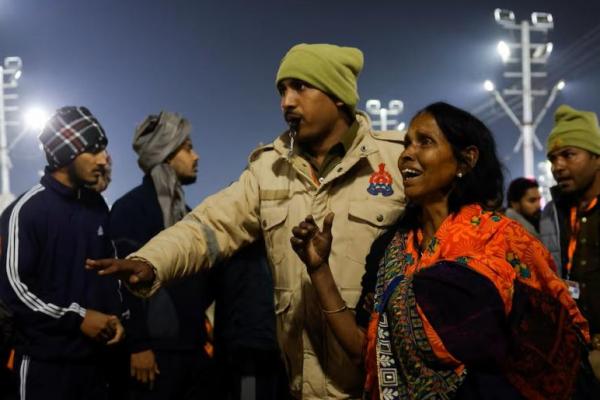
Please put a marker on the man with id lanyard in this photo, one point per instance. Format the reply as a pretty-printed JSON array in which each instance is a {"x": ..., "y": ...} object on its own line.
[{"x": 570, "y": 224}]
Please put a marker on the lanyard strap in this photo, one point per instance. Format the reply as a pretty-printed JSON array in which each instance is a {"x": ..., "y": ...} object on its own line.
[
  {"x": 575, "y": 227},
  {"x": 388, "y": 292}
]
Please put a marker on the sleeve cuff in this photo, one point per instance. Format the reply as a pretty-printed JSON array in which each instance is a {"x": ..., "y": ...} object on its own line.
[{"x": 144, "y": 290}]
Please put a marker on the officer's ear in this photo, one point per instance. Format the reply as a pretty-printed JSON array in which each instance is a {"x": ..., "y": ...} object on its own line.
[
  {"x": 347, "y": 112},
  {"x": 596, "y": 159}
]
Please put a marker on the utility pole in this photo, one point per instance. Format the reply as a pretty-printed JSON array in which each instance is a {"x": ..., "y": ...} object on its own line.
[
  {"x": 395, "y": 108},
  {"x": 10, "y": 72},
  {"x": 531, "y": 54},
  {"x": 527, "y": 128}
]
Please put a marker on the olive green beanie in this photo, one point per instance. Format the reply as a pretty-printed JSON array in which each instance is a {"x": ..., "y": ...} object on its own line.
[
  {"x": 574, "y": 128},
  {"x": 329, "y": 68}
]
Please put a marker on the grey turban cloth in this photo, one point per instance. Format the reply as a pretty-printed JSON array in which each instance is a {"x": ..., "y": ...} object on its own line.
[{"x": 155, "y": 139}]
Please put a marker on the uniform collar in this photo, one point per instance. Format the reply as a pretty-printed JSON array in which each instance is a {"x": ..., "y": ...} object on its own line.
[
  {"x": 355, "y": 134},
  {"x": 335, "y": 154}
]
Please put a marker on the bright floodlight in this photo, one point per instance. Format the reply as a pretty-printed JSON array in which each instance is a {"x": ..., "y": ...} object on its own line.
[
  {"x": 542, "y": 20},
  {"x": 561, "y": 85},
  {"x": 36, "y": 118},
  {"x": 13, "y": 66},
  {"x": 396, "y": 106},
  {"x": 489, "y": 85},
  {"x": 503, "y": 50},
  {"x": 504, "y": 17},
  {"x": 543, "y": 51},
  {"x": 401, "y": 126},
  {"x": 373, "y": 106},
  {"x": 13, "y": 63}
]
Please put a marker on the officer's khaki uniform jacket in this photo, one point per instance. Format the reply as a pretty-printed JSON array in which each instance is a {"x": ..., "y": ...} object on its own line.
[{"x": 272, "y": 196}]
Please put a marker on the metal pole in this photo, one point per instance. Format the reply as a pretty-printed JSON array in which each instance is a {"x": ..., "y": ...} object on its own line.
[
  {"x": 527, "y": 127},
  {"x": 383, "y": 113},
  {"x": 507, "y": 109},
  {"x": 4, "y": 160},
  {"x": 549, "y": 102}
]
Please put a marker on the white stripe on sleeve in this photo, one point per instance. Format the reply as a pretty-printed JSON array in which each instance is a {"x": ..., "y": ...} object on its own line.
[{"x": 12, "y": 266}]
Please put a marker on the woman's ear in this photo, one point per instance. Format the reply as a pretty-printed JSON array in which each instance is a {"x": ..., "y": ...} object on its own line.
[{"x": 470, "y": 155}]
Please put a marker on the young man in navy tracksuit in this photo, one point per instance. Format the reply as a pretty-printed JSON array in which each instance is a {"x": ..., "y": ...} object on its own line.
[{"x": 65, "y": 313}]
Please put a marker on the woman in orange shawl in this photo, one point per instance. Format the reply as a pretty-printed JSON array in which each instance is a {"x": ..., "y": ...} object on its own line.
[{"x": 465, "y": 303}]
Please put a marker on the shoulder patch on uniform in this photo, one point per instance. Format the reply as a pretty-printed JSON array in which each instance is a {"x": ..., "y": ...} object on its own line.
[{"x": 380, "y": 182}]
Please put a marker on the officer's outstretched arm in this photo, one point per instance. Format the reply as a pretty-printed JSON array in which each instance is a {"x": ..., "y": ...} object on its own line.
[{"x": 211, "y": 232}]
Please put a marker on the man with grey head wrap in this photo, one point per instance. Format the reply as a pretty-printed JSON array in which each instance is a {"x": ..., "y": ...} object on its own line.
[
  {"x": 165, "y": 333},
  {"x": 156, "y": 141}
]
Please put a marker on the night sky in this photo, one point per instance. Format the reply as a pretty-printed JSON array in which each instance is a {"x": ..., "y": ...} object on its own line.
[{"x": 215, "y": 62}]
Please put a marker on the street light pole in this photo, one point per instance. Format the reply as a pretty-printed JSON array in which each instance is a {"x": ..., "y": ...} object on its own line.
[
  {"x": 12, "y": 69},
  {"x": 527, "y": 129},
  {"x": 541, "y": 22},
  {"x": 4, "y": 161},
  {"x": 558, "y": 87},
  {"x": 395, "y": 107}
]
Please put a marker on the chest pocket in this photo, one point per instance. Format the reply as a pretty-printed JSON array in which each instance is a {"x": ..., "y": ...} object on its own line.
[
  {"x": 367, "y": 220},
  {"x": 275, "y": 233}
]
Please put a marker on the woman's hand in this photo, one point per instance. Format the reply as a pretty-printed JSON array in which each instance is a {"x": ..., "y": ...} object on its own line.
[{"x": 312, "y": 245}]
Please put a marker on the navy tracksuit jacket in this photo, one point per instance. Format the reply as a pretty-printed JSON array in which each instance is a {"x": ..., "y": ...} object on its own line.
[{"x": 47, "y": 233}]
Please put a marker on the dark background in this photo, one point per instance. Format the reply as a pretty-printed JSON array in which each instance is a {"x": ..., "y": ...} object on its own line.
[{"x": 215, "y": 62}]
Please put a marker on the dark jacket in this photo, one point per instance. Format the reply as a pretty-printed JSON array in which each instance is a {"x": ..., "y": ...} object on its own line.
[
  {"x": 244, "y": 312},
  {"x": 553, "y": 228},
  {"x": 47, "y": 234},
  {"x": 555, "y": 233},
  {"x": 172, "y": 319}
]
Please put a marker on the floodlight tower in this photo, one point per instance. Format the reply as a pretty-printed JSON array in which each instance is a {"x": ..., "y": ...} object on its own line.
[
  {"x": 530, "y": 54},
  {"x": 395, "y": 107},
  {"x": 10, "y": 72},
  {"x": 35, "y": 119}
]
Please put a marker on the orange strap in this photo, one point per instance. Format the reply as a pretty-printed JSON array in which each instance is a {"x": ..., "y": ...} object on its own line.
[
  {"x": 314, "y": 176},
  {"x": 575, "y": 227},
  {"x": 11, "y": 360},
  {"x": 208, "y": 345}
]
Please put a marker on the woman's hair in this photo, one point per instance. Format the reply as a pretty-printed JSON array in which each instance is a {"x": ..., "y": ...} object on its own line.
[{"x": 482, "y": 184}]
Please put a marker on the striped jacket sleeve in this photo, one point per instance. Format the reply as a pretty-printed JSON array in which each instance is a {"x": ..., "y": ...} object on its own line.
[{"x": 21, "y": 252}]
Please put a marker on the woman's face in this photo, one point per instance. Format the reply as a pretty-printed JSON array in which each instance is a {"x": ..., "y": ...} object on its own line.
[{"x": 427, "y": 164}]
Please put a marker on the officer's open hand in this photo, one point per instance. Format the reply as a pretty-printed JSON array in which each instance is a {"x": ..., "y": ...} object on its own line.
[
  {"x": 312, "y": 245},
  {"x": 135, "y": 272}
]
